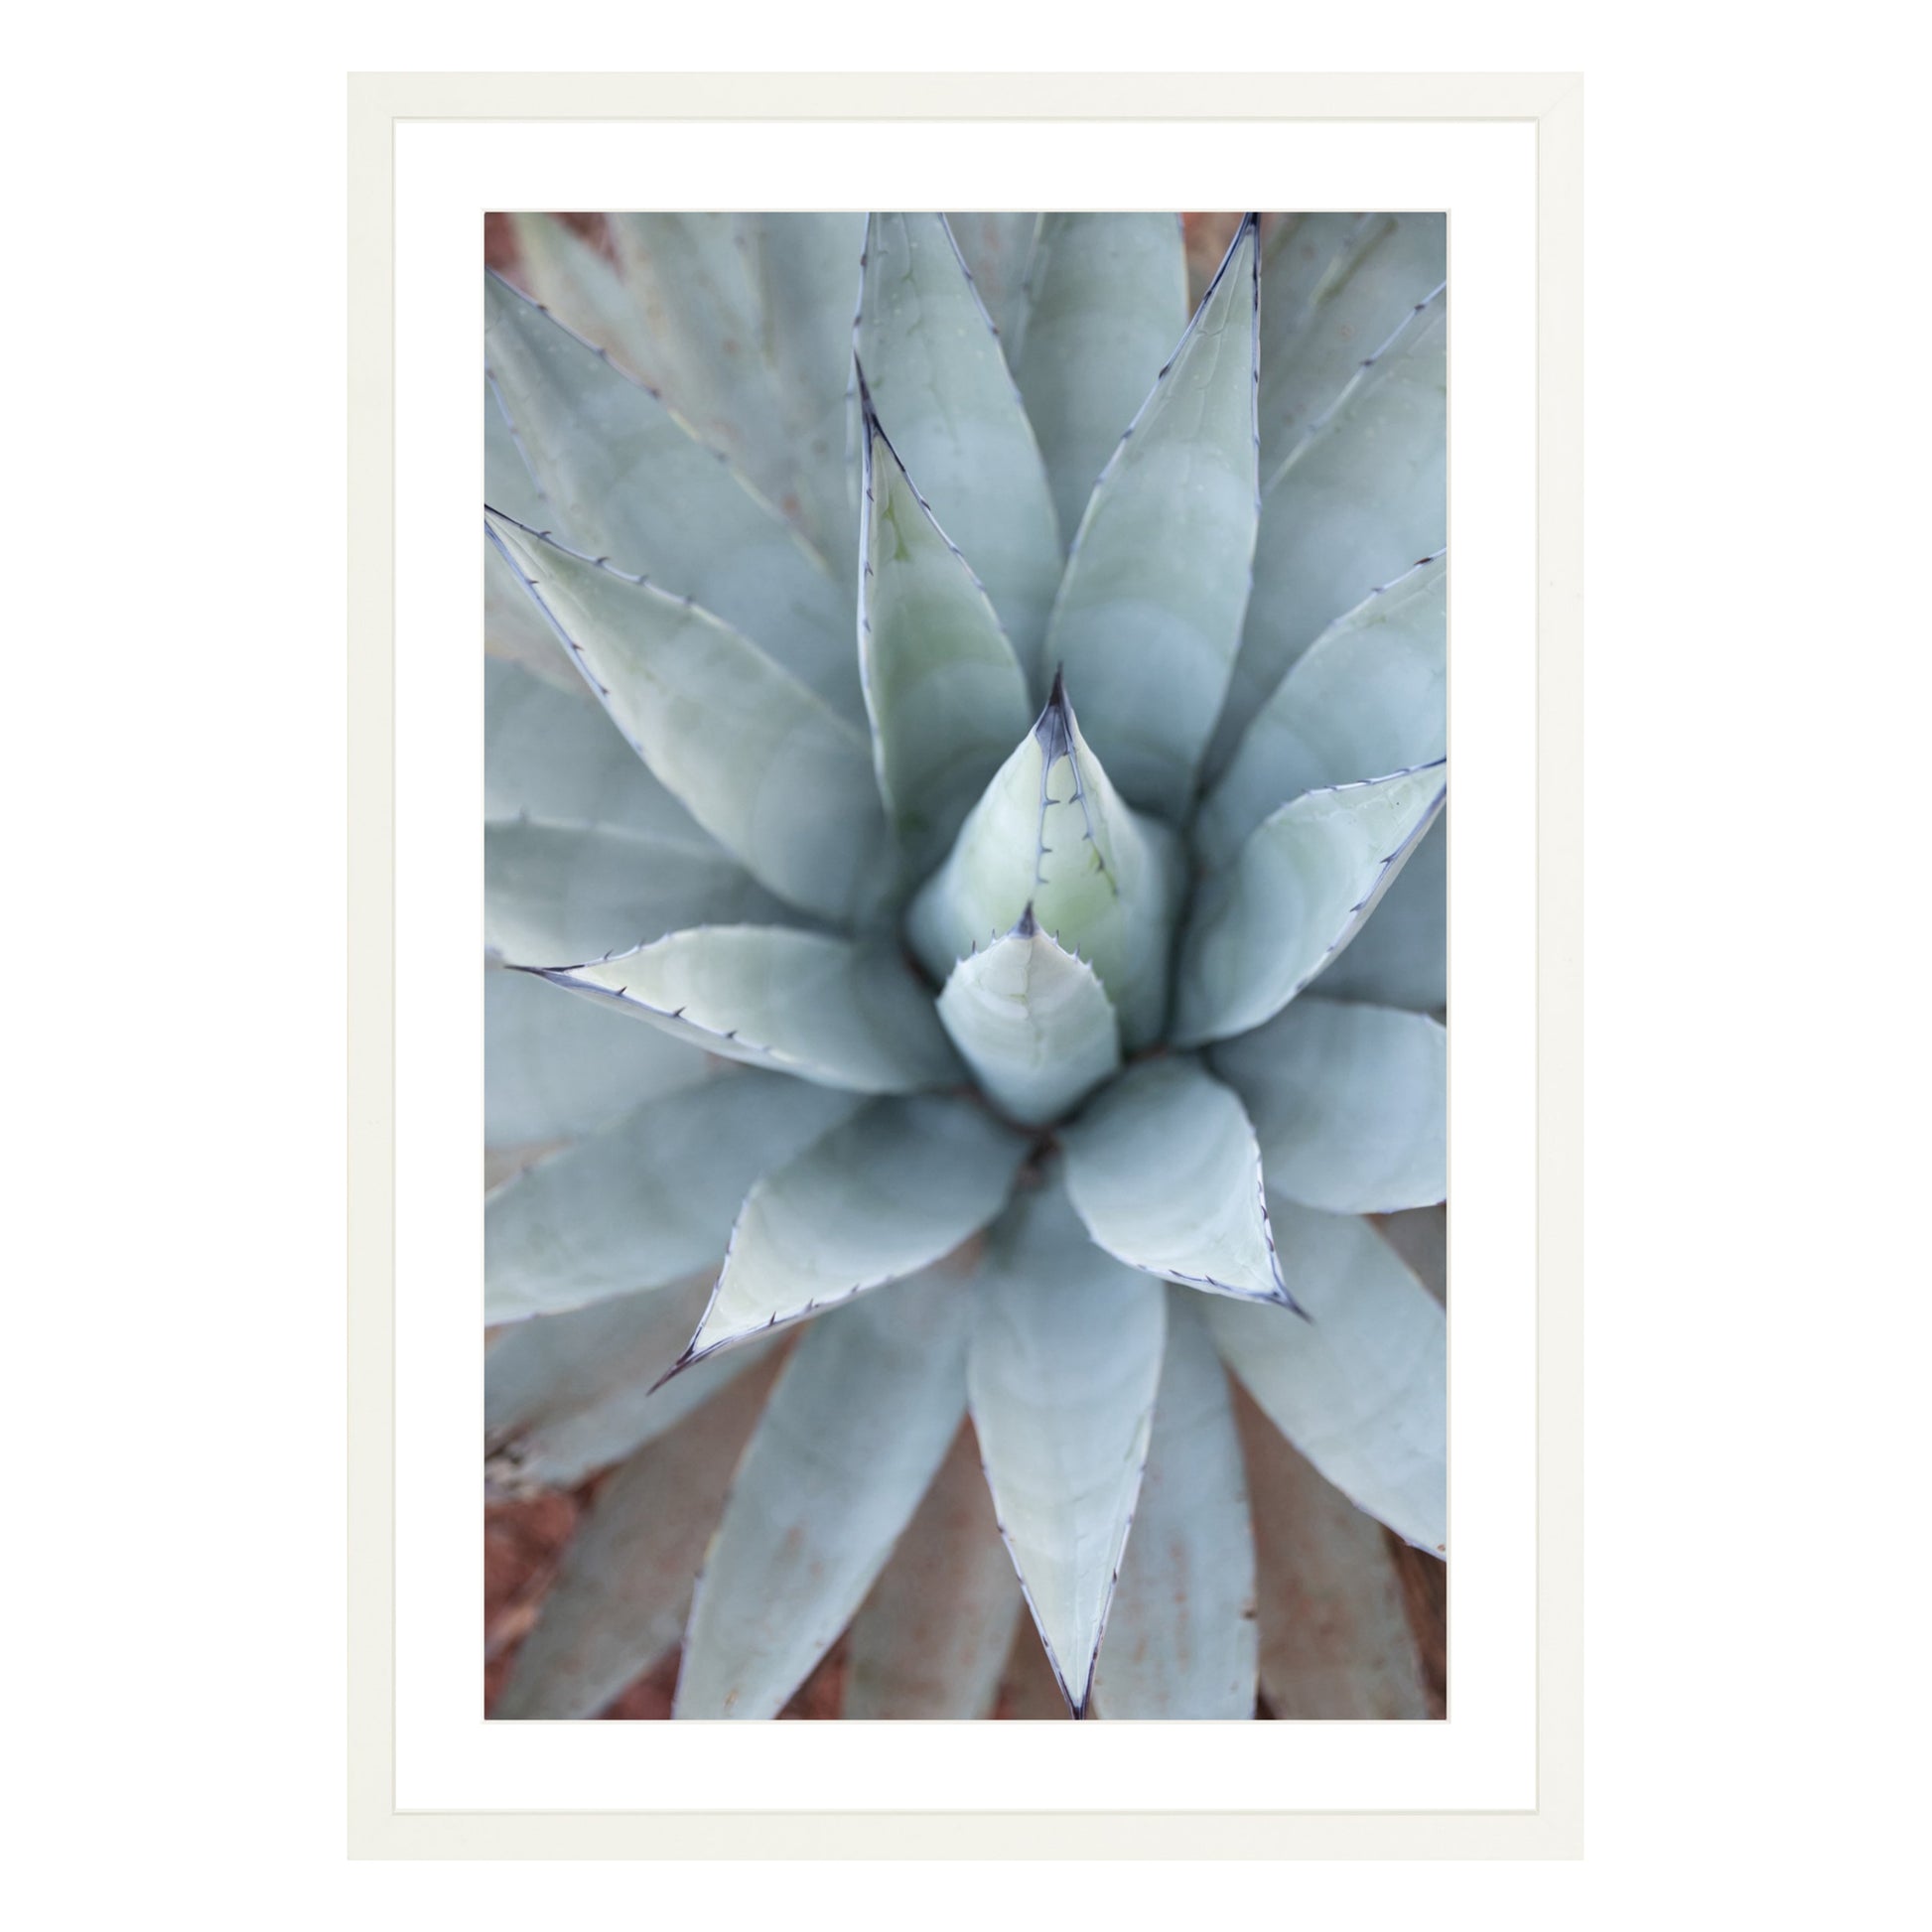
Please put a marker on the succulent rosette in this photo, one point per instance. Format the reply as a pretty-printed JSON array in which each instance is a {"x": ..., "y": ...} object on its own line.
[{"x": 965, "y": 969}]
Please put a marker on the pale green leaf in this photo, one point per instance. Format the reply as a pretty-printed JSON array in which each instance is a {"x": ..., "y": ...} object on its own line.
[
  {"x": 549, "y": 757},
  {"x": 1401, "y": 956},
  {"x": 949, "y": 403},
  {"x": 695, "y": 281},
  {"x": 554, "y": 1066},
  {"x": 574, "y": 279},
  {"x": 1050, "y": 832},
  {"x": 760, "y": 761},
  {"x": 507, "y": 481},
  {"x": 1334, "y": 288},
  {"x": 557, "y": 892},
  {"x": 930, "y": 1639},
  {"x": 648, "y": 1198},
  {"x": 1029, "y": 1691},
  {"x": 1335, "y": 1641},
  {"x": 1369, "y": 697},
  {"x": 620, "y": 1596},
  {"x": 855, "y": 1429},
  {"x": 1148, "y": 619},
  {"x": 1064, "y": 1362},
  {"x": 1180, "y": 1639},
  {"x": 890, "y": 1192},
  {"x": 1034, "y": 1024},
  {"x": 1357, "y": 500},
  {"x": 995, "y": 249},
  {"x": 1106, "y": 301},
  {"x": 1362, "y": 1389},
  {"x": 945, "y": 694},
  {"x": 1165, "y": 1172},
  {"x": 1299, "y": 890},
  {"x": 514, "y": 630},
  {"x": 627, "y": 481},
  {"x": 808, "y": 281},
  {"x": 566, "y": 1395},
  {"x": 1351, "y": 1104},
  {"x": 825, "y": 1010}
]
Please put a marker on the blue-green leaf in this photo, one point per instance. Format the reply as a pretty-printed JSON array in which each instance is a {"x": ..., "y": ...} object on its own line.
[
  {"x": 621, "y": 1594},
  {"x": 1033, "y": 1022},
  {"x": 853, "y": 1434},
  {"x": 1298, "y": 892},
  {"x": 929, "y": 1640},
  {"x": 758, "y": 759},
  {"x": 1106, "y": 301},
  {"x": 995, "y": 249},
  {"x": 1180, "y": 1639},
  {"x": 1357, "y": 499},
  {"x": 1362, "y": 1389},
  {"x": 648, "y": 1199},
  {"x": 1400, "y": 958},
  {"x": 1165, "y": 1172},
  {"x": 890, "y": 1192},
  {"x": 627, "y": 481},
  {"x": 549, "y": 756},
  {"x": 554, "y": 1068},
  {"x": 947, "y": 401},
  {"x": 557, "y": 892},
  {"x": 945, "y": 694},
  {"x": 1351, "y": 1104},
  {"x": 1334, "y": 288},
  {"x": 571, "y": 276},
  {"x": 825, "y": 1010},
  {"x": 1050, "y": 832},
  {"x": 566, "y": 1395},
  {"x": 1148, "y": 619},
  {"x": 1369, "y": 697},
  {"x": 1064, "y": 1362}
]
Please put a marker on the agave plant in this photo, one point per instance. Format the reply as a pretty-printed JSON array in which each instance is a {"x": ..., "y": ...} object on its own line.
[{"x": 951, "y": 719}]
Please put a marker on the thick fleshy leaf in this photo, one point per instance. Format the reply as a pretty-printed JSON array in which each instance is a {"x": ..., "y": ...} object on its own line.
[
  {"x": 1106, "y": 301},
  {"x": 760, "y": 761},
  {"x": 1355, "y": 503},
  {"x": 1401, "y": 956},
  {"x": 930, "y": 1639},
  {"x": 1180, "y": 1641},
  {"x": 515, "y": 632},
  {"x": 1335, "y": 1639},
  {"x": 648, "y": 1198},
  {"x": 695, "y": 281},
  {"x": 507, "y": 481},
  {"x": 1034, "y": 1024},
  {"x": 556, "y": 893},
  {"x": 853, "y": 1432},
  {"x": 808, "y": 283},
  {"x": 620, "y": 1595},
  {"x": 1351, "y": 1104},
  {"x": 829, "y": 1010},
  {"x": 890, "y": 1192},
  {"x": 949, "y": 403},
  {"x": 1299, "y": 890},
  {"x": 564, "y": 1395},
  {"x": 1362, "y": 1389},
  {"x": 1148, "y": 619},
  {"x": 546, "y": 755},
  {"x": 627, "y": 480},
  {"x": 945, "y": 694},
  {"x": 1050, "y": 832},
  {"x": 555, "y": 1067},
  {"x": 995, "y": 249},
  {"x": 1028, "y": 1689},
  {"x": 1334, "y": 288},
  {"x": 1165, "y": 1172},
  {"x": 1370, "y": 697},
  {"x": 1064, "y": 1362},
  {"x": 572, "y": 277}
]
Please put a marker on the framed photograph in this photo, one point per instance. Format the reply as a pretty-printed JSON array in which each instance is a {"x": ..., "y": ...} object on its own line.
[{"x": 962, "y": 1055}]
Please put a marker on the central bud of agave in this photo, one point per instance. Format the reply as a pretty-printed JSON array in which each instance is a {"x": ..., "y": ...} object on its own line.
[{"x": 1050, "y": 925}]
